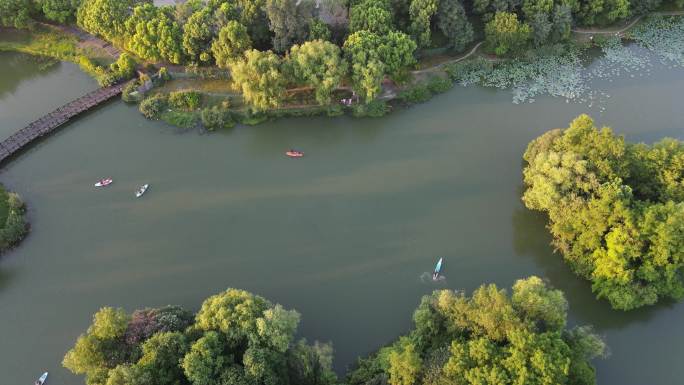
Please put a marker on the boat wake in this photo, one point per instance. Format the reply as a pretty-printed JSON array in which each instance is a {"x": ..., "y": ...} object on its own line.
[{"x": 426, "y": 277}]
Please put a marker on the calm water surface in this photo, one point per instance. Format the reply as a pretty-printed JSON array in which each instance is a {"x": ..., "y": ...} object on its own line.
[{"x": 343, "y": 235}]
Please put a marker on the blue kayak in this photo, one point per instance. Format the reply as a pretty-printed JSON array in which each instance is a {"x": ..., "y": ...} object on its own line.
[{"x": 438, "y": 269}]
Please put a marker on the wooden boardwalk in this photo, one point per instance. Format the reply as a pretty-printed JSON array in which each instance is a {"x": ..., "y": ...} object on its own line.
[{"x": 48, "y": 123}]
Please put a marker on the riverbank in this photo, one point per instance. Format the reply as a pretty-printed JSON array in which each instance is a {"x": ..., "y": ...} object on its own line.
[{"x": 13, "y": 225}]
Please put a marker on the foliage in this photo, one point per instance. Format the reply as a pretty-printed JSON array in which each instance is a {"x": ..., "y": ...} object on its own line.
[
  {"x": 60, "y": 11},
  {"x": 182, "y": 119},
  {"x": 615, "y": 210},
  {"x": 152, "y": 107},
  {"x": 488, "y": 338},
  {"x": 216, "y": 118},
  {"x": 421, "y": 11},
  {"x": 103, "y": 76},
  {"x": 15, "y": 13},
  {"x": 318, "y": 30},
  {"x": 152, "y": 34},
  {"x": 185, "y": 100},
  {"x": 416, "y": 94},
  {"x": 14, "y": 227},
  {"x": 318, "y": 64},
  {"x": 198, "y": 34},
  {"x": 124, "y": 67},
  {"x": 233, "y": 40},
  {"x": 103, "y": 17},
  {"x": 505, "y": 34},
  {"x": 371, "y": 56},
  {"x": 372, "y": 109},
  {"x": 259, "y": 76},
  {"x": 602, "y": 12},
  {"x": 371, "y": 15},
  {"x": 236, "y": 338},
  {"x": 454, "y": 24},
  {"x": 289, "y": 21}
]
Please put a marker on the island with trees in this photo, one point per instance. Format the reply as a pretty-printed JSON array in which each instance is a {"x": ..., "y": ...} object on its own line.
[
  {"x": 240, "y": 338},
  {"x": 616, "y": 209},
  {"x": 299, "y": 57},
  {"x": 13, "y": 225}
]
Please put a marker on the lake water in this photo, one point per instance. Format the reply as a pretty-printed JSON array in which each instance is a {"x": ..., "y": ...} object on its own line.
[{"x": 344, "y": 235}]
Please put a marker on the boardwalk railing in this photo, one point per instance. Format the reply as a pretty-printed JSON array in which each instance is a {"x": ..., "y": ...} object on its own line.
[{"x": 48, "y": 123}]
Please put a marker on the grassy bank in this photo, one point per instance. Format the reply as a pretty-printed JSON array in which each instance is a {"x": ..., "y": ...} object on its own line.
[
  {"x": 49, "y": 41},
  {"x": 13, "y": 226}
]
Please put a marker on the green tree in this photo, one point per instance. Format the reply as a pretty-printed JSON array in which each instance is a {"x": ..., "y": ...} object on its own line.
[
  {"x": 104, "y": 17},
  {"x": 152, "y": 34},
  {"x": 318, "y": 30},
  {"x": 505, "y": 34},
  {"x": 454, "y": 24},
  {"x": 161, "y": 355},
  {"x": 541, "y": 28},
  {"x": 561, "y": 23},
  {"x": 371, "y": 15},
  {"x": 15, "y": 13},
  {"x": 289, "y": 21},
  {"x": 260, "y": 78},
  {"x": 488, "y": 8},
  {"x": 233, "y": 40},
  {"x": 421, "y": 12},
  {"x": 602, "y": 12},
  {"x": 207, "y": 360},
  {"x": 318, "y": 64},
  {"x": 61, "y": 11},
  {"x": 198, "y": 34},
  {"x": 404, "y": 365}
]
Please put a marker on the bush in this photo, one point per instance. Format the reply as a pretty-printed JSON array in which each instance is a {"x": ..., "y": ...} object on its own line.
[
  {"x": 131, "y": 88},
  {"x": 213, "y": 118},
  {"x": 185, "y": 100},
  {"x": 104, "y": 78},
  {"x": 163, "y": 74},
  {"x": 15, "y": 227},
  {"x": 417, "y": 94},
  {"x": 374, "y": 109},
  {"x": 438, "y": 85},
  {"x": 152, "y": 107},
  {"x": 124, "y": 67},
  {"x": 180, "y": 118}
]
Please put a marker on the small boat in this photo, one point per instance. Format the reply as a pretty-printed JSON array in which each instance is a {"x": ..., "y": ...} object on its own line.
[
  {"x": 104, "y": 182},
  {"x": 42, "y": 379},
  {"x": 438, "y": 269},
  {"x": 294, "y": 154},
  {"x": 141, "y": 190}
]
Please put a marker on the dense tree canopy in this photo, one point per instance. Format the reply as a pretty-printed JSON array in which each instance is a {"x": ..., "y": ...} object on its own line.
[
  {"x": 152, "y": 34},
  {"x": 318, "y": 64},
  {"x": 488, "y": 338},
  {"x": 371, "y": 15},
  {"x": 15, "y": 13},
  {"x": 236, "y": 338},
  {"x": 615, "y": 209},
  {"x": 105, "y": 18},
  {"x": 260, "y": 78},
  {"x": 505, "y": 34},
  {"x": 61, "y": 11},
  {"x": 233, "y": 40},
  {"x": 454, "y": 24},
  {"x": 289, "y": 20},
  {"x": 421, "y": 12}
]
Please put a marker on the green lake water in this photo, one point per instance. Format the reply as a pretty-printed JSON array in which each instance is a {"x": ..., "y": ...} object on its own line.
[{"x": 346, "y": 235}]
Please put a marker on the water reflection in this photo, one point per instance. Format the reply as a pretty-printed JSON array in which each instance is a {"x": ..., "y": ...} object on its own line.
[{"x": 22, "y": 67}]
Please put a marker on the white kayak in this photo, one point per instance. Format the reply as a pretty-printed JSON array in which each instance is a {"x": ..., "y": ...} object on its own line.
[
  {"x": 141, "y": 190},
  {"x": 42, "y": 379},
  {"x": 104, "y": 182}
]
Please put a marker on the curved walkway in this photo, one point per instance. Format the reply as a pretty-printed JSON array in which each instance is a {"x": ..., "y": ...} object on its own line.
[{"x": 437, "y": 66}]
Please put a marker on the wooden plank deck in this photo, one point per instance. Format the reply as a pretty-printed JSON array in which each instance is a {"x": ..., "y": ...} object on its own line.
[{"x": 53, "y": 120}]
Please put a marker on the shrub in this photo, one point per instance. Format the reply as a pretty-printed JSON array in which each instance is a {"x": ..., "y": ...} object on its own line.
[
  {"x": 182, "y": 119},
  {"x": 152, "y": 107},
  {"x": 15, "y": 227},
  {"x": 213, "y": 118},
  {"x": 438, "y": 85},
  {"x": 374, "y": 109},
  {"x": 104, "y": 78},
  {"x": 185, "y": 100},
  {"x": 416, "y": 94},
  {"x": 163, "y": 74},
  {"x": 131, "y": 88},
  {"x": 124, "y": 67}
]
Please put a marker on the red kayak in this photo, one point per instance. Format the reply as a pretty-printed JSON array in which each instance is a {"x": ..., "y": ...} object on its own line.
[
  {"x": 104, "y": 182},
  {"x": 294, "y": 154}
]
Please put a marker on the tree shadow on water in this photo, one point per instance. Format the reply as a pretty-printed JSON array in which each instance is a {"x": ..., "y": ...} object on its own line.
[{"x": 532, "y": 239}]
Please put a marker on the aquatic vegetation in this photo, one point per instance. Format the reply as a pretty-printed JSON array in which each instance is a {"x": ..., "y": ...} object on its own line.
[
  {"x": 664, "y": 36},
  {"x": 559, "y": 70}
]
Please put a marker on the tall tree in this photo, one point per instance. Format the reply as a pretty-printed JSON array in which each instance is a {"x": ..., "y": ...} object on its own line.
[
  {"x": 152, "y": 34},
  {"x": 259, "y": 76},
  {"x": 233, "y": 40},
  {"x": 198, "y": 34},
  {"x": 104, "y": 17},
  {"x": 421, "y": 12},
  {"x": 454, "y": 24},
  {"x": 289, "y": 21},
  {"x": 318, "y": 64},
  {"x": 61, "y": 11},
  {"x": 505, "y": 34},
  {"x": 371, "y": 15}
]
